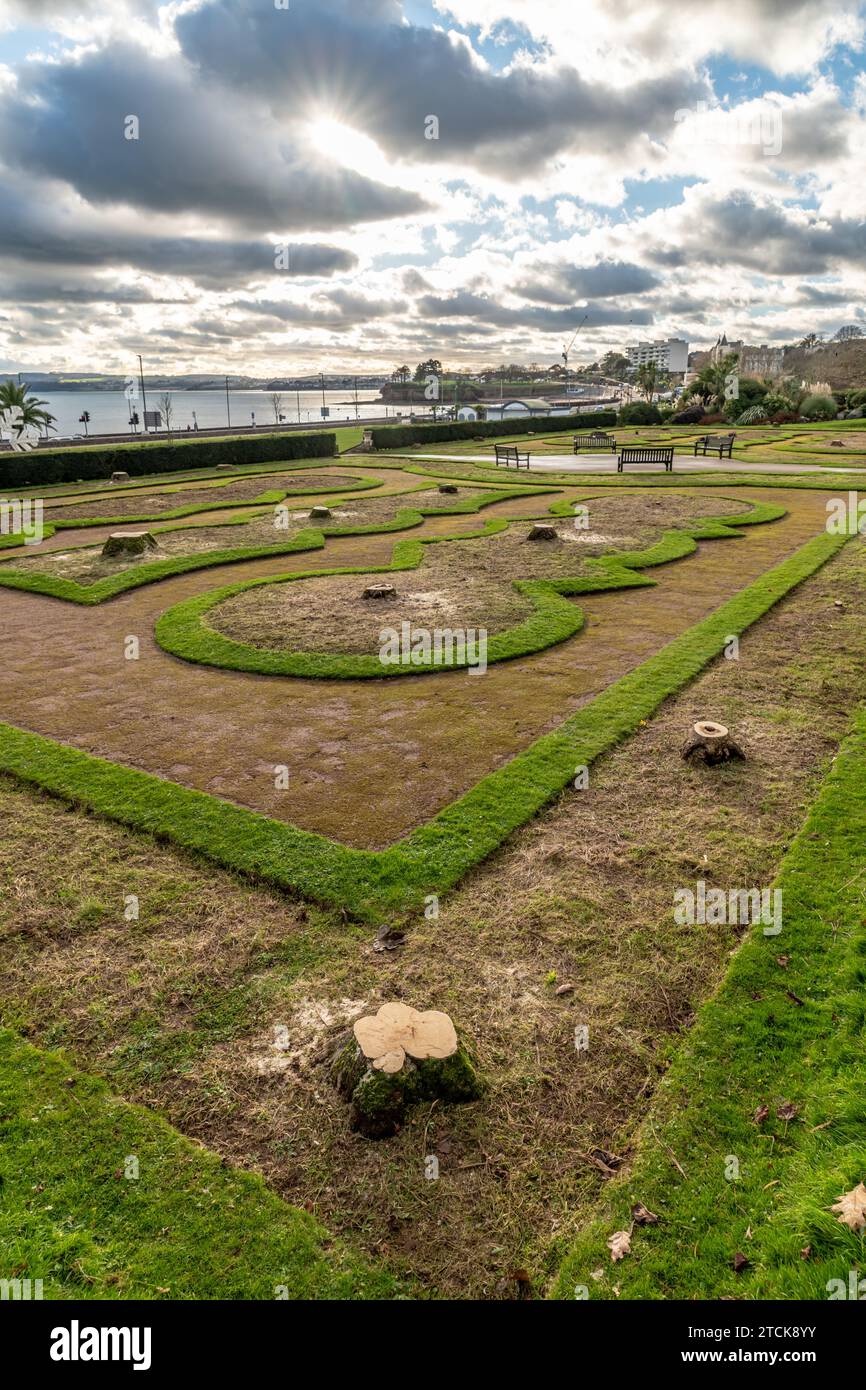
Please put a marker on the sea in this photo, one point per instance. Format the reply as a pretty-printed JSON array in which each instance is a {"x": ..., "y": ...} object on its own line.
[{"x": 110, "y": 411}]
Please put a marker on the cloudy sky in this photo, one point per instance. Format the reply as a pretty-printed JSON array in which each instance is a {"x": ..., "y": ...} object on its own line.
[{"x": 292, "y": 185}]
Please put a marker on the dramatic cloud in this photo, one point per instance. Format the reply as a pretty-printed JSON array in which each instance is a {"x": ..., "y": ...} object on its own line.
[
  {"x": 191, "y": 151},
  {"x": 374, "y": 181},
  {"x": 360, "y": 64}
]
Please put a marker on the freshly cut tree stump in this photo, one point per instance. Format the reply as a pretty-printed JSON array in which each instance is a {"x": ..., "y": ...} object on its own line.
[
  {"x": 711, "y": 743},
  {"x": 396, "y": 1058},
  {"x": 447, "y": 487},
  {"x": 221, "y": 467},
  {"x": 120, "y": 477},
  {"x": 542, "y": 532},
  {"x": 320, "y": 513},
  {"x": 379, "y": 591},
  {"x": 129, "y": 543}
]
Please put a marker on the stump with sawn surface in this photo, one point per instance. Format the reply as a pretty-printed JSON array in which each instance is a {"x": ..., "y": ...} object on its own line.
[
  {"x": 123, "y": 543},
  {"x": 711, "y": 743}
]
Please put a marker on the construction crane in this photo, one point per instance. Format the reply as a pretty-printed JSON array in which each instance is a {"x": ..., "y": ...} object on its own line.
[{"x": 566, "y": 348}]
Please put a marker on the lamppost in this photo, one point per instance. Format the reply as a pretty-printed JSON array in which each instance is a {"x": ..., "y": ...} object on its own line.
[
  {"x": 143, "y": 394},
  {"x": 228, "y": 406}
]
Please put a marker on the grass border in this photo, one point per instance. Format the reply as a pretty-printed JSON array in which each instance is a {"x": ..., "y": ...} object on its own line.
[
  {"x": 434, "y": 857},
  {"x": 768, "y": 1035},
  {"x": 183, "y": 632}
]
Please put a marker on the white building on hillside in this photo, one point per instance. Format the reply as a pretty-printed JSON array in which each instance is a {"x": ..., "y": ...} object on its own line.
[{"x": 670, "y": 354}]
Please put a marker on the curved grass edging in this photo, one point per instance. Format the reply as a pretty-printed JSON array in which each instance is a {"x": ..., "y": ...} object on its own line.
[
  {"x": 370, "y": 883},
  {"x": 182, "y": 631},
  {"x": 272, "y": 496},
  {"x": 311, "y": 538},
  {"x": 769, "y": 1035},
  {"x": 188, "y": 1227}
]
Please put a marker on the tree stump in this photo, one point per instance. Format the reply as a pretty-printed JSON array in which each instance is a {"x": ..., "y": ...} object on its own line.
[
  {"x": 221, "y": 467},
  {"x": 320, "y": 513},
  {"x": 129, "y": 543},
  {"x": 120, "y": 477},
  {"x": 397, "y": 1058},
  {"x": 379, "y": 591},
  {"x": 711, "y": 743},
  {"x": 542, "y": 532},
  {"x": 447, "y": 487}
]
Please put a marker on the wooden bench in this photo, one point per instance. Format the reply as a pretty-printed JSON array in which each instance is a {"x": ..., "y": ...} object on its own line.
[
  {"x": 509, "y": 453},
  {"x": 658, "y": 453},
  {"x": 600, "y": 442},
  {"x": 724, "y": 443}
]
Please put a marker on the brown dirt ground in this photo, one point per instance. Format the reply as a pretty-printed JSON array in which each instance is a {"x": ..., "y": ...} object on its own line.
[
  {"x": 219, "y": 1005},
  {"x": 464, "y": 584}
]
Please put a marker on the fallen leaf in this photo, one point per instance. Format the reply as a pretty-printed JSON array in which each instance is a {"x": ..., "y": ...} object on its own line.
[
  {"x": 740, "y": 1261},
  {"x": 564, "y": 989},
  {"x": 788, "y": 1110},
  {"x": 761, "y": 1114},
  {"x": 784, "y": 961},
  {"x": 619, "y": 1245},
  {"x": 642, "y": 1215},
  {"x": 851, "y": 1208},
  {"x": 806, "y": 1252}
]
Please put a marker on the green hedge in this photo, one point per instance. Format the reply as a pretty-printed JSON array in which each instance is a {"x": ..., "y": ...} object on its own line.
[
  {"x": 398, "y": 436},
  {"x": 44, "y": 466}
]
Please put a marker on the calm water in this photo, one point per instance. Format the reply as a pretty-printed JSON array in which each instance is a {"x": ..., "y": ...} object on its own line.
[{"x": 110, "y": 411}]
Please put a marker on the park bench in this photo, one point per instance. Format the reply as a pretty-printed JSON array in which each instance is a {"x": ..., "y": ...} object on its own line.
[
  {"x": 600, "y": 442},
  {"x": 713, "y": 442},
  {"x": 509, "y": 453},
  {"x": 657, "y": 453}
]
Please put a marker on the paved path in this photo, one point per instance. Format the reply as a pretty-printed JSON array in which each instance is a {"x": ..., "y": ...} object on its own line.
[{"x": 606, "y": 463}]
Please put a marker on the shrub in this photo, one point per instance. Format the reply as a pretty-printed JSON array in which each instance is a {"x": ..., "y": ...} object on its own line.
[
  {"x": 639, "y": 413},
  {"x": 755, "y": 415},
  {"x": 692, "y": 415},
  {"x": 45, "y": 466},
  {"x": 400, "y": 436},
  {"x": 776, "y": 403},
  {"x": 819, "y": 408}
]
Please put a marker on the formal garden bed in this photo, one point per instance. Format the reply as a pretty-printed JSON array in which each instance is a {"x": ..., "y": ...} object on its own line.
[{"x": 463, "y": 584}]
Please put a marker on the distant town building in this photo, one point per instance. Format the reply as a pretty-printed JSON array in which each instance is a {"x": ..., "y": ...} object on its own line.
[
  {"x": 670, "y": 354},
  {"x": 753, "y": 361}
]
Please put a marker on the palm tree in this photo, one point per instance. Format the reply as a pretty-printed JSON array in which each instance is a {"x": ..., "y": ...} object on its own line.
[
  {"x": 647, "y": 378},
  {"x": 711, "y": 381},
  {"x": 14, "y": 399}
]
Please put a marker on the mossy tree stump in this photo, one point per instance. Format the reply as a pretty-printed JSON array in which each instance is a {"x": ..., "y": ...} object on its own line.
[
  {"x": 541, "y": 531},
  {"x": 320, "y": 513},
  {"x": 711, "y": 743},
  {"x": 120, "y": 477},
  {"x": 123, "y": 543},
  {"x": 380, "y": 1088}
]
